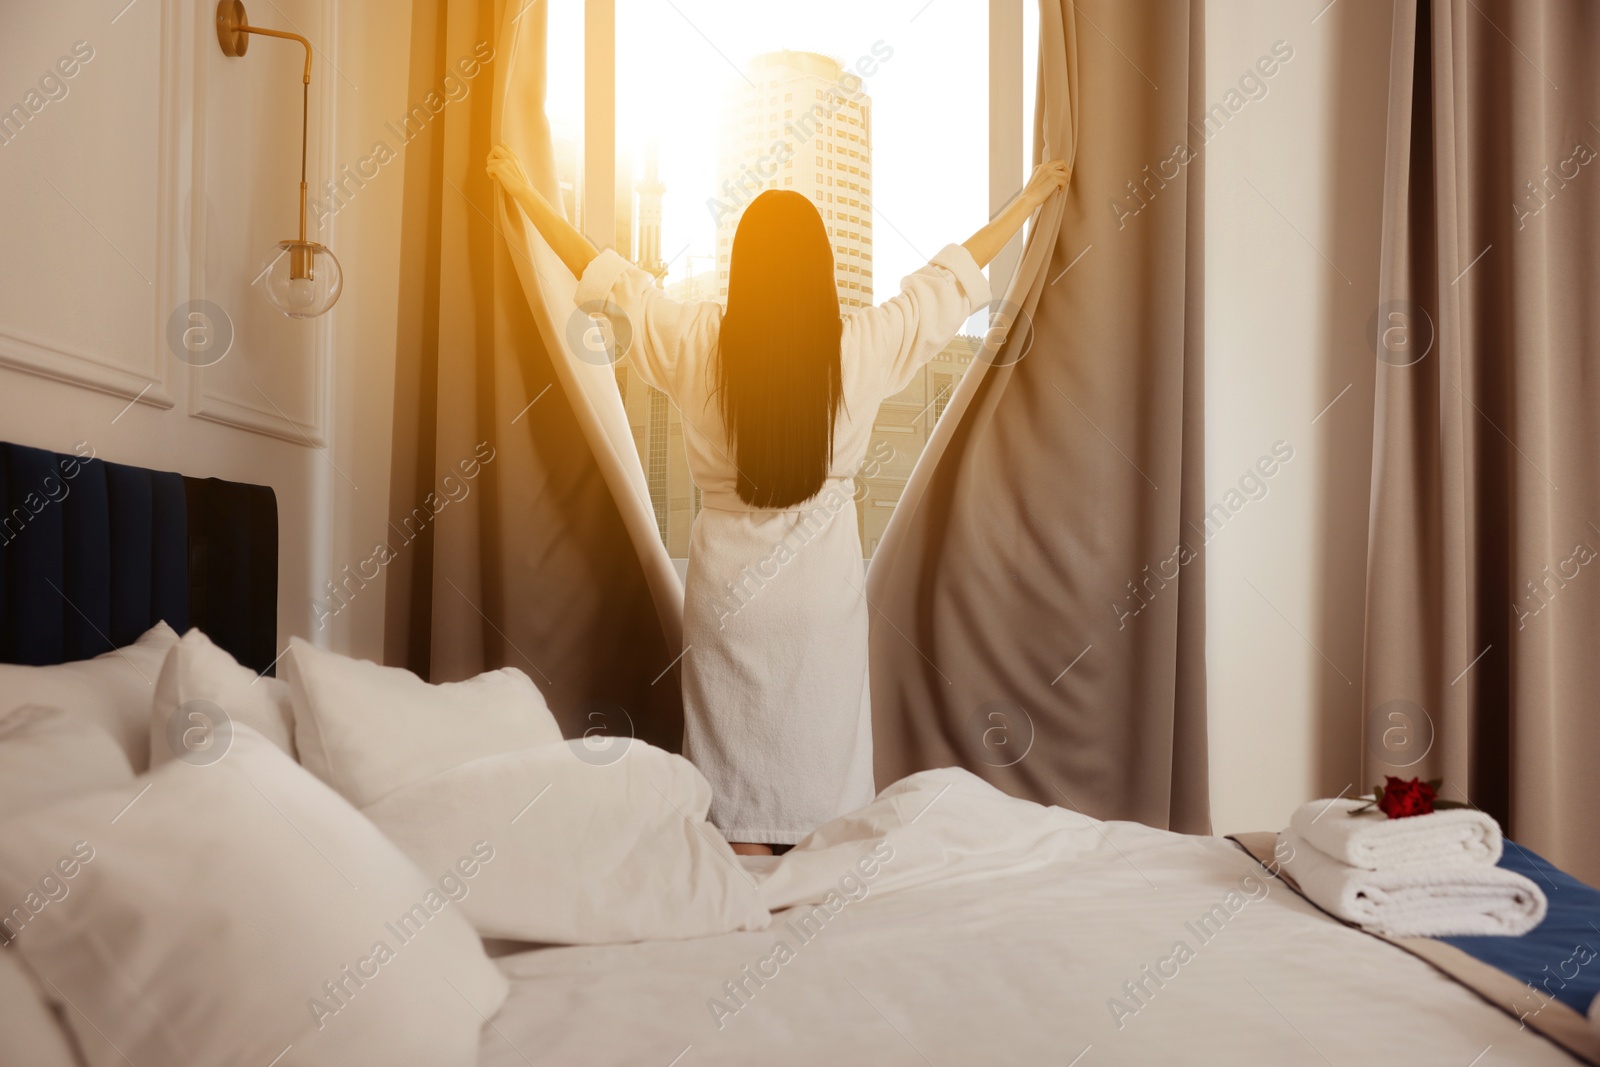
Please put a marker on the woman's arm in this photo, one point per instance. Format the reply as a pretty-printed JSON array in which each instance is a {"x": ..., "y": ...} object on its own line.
[
  {"x": 1047, "y": 178},
  {"x": 572, "y": 246}
]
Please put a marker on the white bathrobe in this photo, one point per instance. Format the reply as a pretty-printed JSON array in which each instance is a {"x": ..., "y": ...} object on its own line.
[{"x": 777, "y": 710}]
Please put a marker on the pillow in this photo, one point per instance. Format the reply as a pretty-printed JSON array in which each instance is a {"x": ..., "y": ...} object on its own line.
[
  {"x": 48, "y": 754},
  {"x": 367, "y": 729},
  {"x": 115, "y": 689},
  {"x": 201, "y": 692},
  {"x": 583, "y": 851},
  {"x": 241, "y": 912}
]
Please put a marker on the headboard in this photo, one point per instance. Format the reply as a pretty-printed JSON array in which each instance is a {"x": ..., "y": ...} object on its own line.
[{"x": 92, "y": 554}]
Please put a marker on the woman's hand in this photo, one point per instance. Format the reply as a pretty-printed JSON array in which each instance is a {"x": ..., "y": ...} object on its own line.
[
  {"x": 573, "y": 247},
  {"x": 1046, "y": 179},
  {"x": 505, "y": 168}
]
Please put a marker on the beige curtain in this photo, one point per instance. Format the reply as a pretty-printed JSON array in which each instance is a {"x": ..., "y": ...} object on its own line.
[
  {"x": 1484, "y": 556},
  {"x": 543, "y": 556},
  {"x": 1038, "y": 599}
]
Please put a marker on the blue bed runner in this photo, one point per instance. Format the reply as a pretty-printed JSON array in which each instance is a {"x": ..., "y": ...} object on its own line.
[{"x": 1560, "y": 956}]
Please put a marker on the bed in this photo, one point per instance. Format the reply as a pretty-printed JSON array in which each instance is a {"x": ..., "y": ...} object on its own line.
[
  {"x": 1025, "y": 966},
  {"x": 995, "y": 931}
]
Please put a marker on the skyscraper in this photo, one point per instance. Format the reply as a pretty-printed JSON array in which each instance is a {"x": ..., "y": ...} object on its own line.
[{"x": 801, "y": 123}]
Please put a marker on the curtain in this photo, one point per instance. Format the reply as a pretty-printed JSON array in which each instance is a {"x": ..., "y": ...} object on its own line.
[
  {"x": 1038, "y": 599},
  {"x": 1483, "y": 588},
  {"x": 521, "y": 529}
]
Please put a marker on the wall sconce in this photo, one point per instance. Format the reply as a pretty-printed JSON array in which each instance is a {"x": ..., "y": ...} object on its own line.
[{"x": 300, "y": 278}]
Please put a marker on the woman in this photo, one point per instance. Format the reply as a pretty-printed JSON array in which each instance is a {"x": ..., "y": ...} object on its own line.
[{"x": 778, "y": 395}]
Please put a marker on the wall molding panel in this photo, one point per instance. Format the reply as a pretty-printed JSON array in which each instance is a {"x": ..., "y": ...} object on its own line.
[{"x": 140, "y": 368}]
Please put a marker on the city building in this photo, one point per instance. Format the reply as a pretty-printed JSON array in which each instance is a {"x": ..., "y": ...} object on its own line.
[
  {"x": 801, "y": 123},
  {"x": 905, "y": 423}
]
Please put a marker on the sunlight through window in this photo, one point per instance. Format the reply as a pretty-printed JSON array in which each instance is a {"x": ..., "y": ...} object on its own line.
[{"x": 878, "y": 113}]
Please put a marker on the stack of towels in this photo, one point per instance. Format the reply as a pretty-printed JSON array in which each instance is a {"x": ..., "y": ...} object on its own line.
[{"x": 1421, "y": 876}]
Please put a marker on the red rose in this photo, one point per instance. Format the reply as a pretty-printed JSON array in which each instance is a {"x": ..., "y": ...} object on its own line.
[{"x": 1402, "y": 799}]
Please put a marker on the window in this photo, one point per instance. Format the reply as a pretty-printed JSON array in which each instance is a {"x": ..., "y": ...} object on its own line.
[
  {"x": 942, "y": 388},
  {"x": 689, "y": 91}
]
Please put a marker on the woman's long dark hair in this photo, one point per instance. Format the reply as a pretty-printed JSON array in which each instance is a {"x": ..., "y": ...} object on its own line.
[{"x": 778, "y": 376}]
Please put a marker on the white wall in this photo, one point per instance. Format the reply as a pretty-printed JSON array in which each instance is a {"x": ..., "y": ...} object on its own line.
[
  {"x": 162, "y": 171},
  {"x": 1293, "y": 214}
]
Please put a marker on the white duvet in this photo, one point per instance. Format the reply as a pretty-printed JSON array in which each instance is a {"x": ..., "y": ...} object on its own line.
[{"x": 948, "y": 924}]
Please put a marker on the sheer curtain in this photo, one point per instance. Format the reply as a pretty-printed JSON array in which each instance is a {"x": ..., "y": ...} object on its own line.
[
  {"x": 1038, "y": 600},
  {"x": 1483, "y": 590},
  {"x": 521, "y": 515}
]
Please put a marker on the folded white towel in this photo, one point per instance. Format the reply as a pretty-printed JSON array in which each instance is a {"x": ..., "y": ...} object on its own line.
[
  {"x": 1456, "y": 837},
  {"x": 1415, "y": 901}
]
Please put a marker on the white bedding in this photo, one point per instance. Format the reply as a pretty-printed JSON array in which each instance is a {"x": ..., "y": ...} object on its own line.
[{"x": 1014, "y": 960}]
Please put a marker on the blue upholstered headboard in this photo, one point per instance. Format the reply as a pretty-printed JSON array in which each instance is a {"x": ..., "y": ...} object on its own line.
[{"x": 92, "y": 554}]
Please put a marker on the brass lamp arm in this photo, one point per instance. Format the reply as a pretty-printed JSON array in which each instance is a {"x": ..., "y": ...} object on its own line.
[
  {"x": 233, "y": 26},
  {"x": 284, "y": 36}
]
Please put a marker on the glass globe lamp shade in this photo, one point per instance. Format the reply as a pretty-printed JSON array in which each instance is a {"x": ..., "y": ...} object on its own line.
[{"x": 301, "y": 279}]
